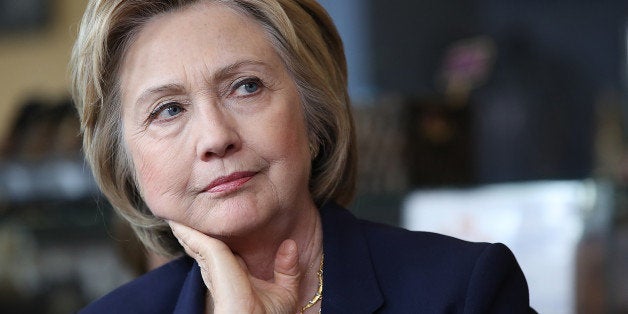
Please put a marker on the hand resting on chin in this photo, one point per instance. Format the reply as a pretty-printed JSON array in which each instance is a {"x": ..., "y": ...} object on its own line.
[{"x": 232, "y": 289}]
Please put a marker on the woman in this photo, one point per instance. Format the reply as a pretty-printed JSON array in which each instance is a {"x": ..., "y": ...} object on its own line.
[{"x": 224, "y": 126}]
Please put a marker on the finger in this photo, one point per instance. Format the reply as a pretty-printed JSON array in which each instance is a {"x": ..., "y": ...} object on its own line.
[
  {"x": 287, "y": 273},
  {"x": 194, "y": 242},
  {"x": 221, "y": 271},
  {"x": 197, "y": 242},
  {"x": 242, "y": 263}
]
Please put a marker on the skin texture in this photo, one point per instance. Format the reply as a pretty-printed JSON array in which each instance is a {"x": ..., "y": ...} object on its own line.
[{"x": 214, "y": 126}]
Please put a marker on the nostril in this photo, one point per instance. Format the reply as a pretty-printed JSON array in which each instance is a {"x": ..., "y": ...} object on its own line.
[{"x": 207, "y": 155}]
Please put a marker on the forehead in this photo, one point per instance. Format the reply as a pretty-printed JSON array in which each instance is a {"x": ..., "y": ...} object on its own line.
[{"x": 202, "y": 37}]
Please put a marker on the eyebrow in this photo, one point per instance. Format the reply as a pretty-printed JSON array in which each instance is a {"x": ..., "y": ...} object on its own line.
[
  {"x": 178, "y": 88},
  {"x": 230, "y": 69},
  {"x": 219, "y": 75}
]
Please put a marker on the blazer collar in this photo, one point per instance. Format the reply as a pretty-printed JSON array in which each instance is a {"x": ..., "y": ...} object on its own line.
[{"x": 349, "y": 282}]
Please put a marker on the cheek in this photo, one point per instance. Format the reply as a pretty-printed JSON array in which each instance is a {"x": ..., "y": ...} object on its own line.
[
  {"x": 160, "y": 173},
  {"x": 287, "y": 140}
]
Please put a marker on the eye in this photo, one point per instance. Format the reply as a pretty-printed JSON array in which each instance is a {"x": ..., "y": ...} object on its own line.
[
  {"x": 248, "y": 87},
  {"x": 166, "y": 111}
]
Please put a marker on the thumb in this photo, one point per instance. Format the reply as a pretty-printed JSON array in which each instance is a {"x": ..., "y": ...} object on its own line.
[{"x": 287, "y": 272}]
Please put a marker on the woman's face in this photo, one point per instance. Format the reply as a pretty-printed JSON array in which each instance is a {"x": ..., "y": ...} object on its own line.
[{"x": 213, "y": 122}]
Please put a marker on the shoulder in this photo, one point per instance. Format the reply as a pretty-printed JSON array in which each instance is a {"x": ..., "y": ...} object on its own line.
[
  {"x": 155, "y": 292},
  {"x": 418, "y": 271},
  {"x": 420, "y": 256},
  {"x": 419, "y": 248},
  {"x": 455, "y": 274},
  {"x": 410, "y": 248}
]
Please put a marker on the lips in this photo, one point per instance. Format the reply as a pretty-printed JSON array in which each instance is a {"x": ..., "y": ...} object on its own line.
[{"x": 230, "y": 183}]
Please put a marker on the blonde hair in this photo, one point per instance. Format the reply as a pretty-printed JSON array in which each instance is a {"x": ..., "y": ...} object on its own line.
[{"x": 302, "y": 34}]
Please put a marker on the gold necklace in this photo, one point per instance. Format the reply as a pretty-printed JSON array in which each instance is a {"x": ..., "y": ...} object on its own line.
[{"x": 319, "y": 293}]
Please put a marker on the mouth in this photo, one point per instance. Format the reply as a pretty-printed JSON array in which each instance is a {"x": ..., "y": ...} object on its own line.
[{"x": 230, "y": 183}]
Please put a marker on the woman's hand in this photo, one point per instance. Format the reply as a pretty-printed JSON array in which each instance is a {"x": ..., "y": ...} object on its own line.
[{"x": 233, "y": 289}]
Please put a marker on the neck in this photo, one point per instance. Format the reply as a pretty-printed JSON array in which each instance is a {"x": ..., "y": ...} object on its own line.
[{"x": 258, "y": 249}]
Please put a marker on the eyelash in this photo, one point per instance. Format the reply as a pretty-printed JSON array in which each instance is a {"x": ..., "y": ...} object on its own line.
[
  {"x": 243, "y": 82},
  {"x": 161, "y": 108}
]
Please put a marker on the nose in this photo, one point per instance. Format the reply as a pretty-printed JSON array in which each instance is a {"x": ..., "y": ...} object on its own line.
[{"x": 217, "y": 134}]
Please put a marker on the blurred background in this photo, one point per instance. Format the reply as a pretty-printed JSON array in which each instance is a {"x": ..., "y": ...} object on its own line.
[{"x": 489, "y": 120}]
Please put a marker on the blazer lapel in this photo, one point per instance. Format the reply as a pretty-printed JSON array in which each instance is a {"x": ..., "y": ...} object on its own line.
[
  {"x": 192, "y": 297},
  {"x": 349, "y": 282}
]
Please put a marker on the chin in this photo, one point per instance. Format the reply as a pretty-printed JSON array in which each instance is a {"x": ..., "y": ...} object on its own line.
[{"x": 232, "y": 217}]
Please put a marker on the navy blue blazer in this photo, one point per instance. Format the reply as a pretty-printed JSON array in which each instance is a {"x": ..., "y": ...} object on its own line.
[{"x": 369, "y": 268}]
